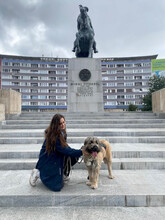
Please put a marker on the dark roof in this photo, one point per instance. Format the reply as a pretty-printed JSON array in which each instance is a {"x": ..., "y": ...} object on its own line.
[
  {"x": 150, "y": 57},
  {"x": 106, "y": 59}
]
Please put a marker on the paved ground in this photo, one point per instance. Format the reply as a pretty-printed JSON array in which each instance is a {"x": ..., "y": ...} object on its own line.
[{"x": 82, "y": 213}]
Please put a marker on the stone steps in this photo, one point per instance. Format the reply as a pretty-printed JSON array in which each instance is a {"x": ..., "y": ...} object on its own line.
[
  {"x": 118, "y": 163},
  {"x": 85, "y": 121},
  {"x": 138, "y": 149},
  {"x": 118, "y": 139},
  {"x": 83, "y": 213},
  {"x": 109, "y": 132},
  {"x": 85, "y": 126},
  {"x": 129, "y": 188}
]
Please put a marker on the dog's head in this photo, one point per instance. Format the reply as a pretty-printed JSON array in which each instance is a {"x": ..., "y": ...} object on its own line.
[{"x": 92, "y": 146}]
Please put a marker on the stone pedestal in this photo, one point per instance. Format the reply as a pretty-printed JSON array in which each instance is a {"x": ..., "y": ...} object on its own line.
[{"x": 85, "y": 92}]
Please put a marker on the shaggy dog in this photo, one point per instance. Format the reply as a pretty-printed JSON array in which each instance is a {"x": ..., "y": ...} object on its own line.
[{"x": 96, "y": 152}]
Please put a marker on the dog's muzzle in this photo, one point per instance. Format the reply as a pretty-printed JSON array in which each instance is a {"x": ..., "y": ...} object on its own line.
[{"x": 94, "y": 150}]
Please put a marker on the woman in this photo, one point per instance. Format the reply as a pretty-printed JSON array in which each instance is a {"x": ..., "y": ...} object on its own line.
[{"x": 54, "y": 156}]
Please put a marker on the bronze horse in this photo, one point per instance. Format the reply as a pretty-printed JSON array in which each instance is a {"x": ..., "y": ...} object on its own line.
[{"x": 84, "y": 43}]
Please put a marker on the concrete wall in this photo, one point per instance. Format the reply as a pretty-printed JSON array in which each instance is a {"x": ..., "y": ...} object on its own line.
[
  {"x": 12, "y": 101},
  {"x": 158, "y": 101},
  {"x": 2, "y": 112}
]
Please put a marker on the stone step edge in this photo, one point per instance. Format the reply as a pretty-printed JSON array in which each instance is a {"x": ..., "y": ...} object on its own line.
[{"x": 83, "y": 200}]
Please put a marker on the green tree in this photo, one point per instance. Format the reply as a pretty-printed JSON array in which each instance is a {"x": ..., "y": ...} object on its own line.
[
  {"x": 155, "y": 83},
  {"x": 132, "y": 107}
]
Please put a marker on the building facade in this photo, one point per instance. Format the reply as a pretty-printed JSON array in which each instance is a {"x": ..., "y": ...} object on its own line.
[{"x": 43, "y": 81}]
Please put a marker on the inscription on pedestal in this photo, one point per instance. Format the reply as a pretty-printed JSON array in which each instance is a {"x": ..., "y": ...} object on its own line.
[{"x": 85, "y": 90}]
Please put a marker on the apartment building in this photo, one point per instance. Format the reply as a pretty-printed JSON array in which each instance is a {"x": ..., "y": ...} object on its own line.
[{"x": 43, "y": 81}]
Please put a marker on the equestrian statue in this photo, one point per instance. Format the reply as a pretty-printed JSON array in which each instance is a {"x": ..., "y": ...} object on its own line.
[{"x": 85, "y": 44}]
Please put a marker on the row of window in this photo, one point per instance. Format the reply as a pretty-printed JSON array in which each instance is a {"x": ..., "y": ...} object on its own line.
[
  {"x": 6, "y": 83},
  {"x": 34, "y": 71},
  {"x": 127, "y": 71},
  {"x": 113, "y": 84},
  {"x": 43, "y": 97},
  {"x": 123, "y": 103},
  {"x": 58, "y": 78},
  {"x": 106, "y": 78},
  {"x": 124, "y": 96},
  {"x": 126, "y": 65},
  {"x": 33, "y": 65},
  {"x": 44, "y": 103},
  {"x": 129, "y": 90}
]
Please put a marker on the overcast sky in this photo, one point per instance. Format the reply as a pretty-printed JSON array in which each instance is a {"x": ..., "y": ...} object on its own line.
[{"x": 122, "y": 28}]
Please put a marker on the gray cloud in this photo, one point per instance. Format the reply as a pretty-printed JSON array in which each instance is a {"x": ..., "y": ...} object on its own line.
[{"x": 122, "y": 27}]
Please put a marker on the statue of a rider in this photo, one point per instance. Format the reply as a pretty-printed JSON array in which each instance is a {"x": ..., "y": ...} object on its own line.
[{"x": 85, "y": 30}]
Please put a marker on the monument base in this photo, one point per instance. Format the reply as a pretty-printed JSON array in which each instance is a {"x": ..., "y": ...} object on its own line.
[{"x": 85, "y": 92}]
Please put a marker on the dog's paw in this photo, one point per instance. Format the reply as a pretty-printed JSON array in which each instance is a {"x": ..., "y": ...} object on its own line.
[
  {"x": 111, "y": 177},
  {"x": 94, "y": 186},
  {"x": 88, "y": 183}
]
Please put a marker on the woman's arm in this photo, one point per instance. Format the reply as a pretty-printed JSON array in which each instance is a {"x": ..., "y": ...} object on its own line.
[{"x": 68, "y": 151}]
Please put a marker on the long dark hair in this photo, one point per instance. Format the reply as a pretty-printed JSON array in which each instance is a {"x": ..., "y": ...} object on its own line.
[{"x": 53, "y": 132}]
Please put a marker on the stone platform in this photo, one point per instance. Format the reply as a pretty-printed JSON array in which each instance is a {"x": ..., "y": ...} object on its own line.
[{"x": 138, "y": 149}]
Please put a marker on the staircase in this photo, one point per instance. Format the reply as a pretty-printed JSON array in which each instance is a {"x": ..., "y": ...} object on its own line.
[{"x": 138, "y": 149}]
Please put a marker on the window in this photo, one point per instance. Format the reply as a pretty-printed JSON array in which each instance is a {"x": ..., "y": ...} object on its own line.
[
  {"x": 138, "y": 83},
  {"x": 120, "y": 90},
  {"x": 24, "y": 90},
  {"x": 6, "y": 76},
  {"x": 43, "y": 90},
  {"x": 52, "y": 84},
  {"x": 52, "y": 72},
  {"x": 62, "y": 85},
  {"x": 25, "y": 103},
  {"x": 128, "y": 90},
  {"x": 61, "y": 103},
  {"x": 43, "y": 97},
  {"x": 25, "y": 77},
  {"x": 61, "y": 97},
  {"x": 137, "y": 64},
  {"x": 111, "y": 84},
  {"x": 6, "y": 70},
  {"x": 34, "y": 78},
  {"x": 128, "y": 65},
  {"x": 120, "y": 84},
  {"x": 138, "y": 71},
  {"x": 111, "y": 71},
  {"x": 44, "y": 84},
  {"x": 129, "y": 96},
  {"x": 120, "y": 71},
  {"x": 60, "y": 72},
  {"x": 15, "y": 64},
  {"x": 34, "y": 97},
  {"x": 120, "y": 97},
  {"x": 128, "y": 71},
  {"x": 61, "y": 90},
  {"x": 110, "y": 103},
  {"x": 111, "y": 96},
  {"x": 25, "y": 96},
  {"x": 129, "y": 83},
  {"x": 6, "y": 83},
  {"x": 34, "y": 65},
  {"x": 146, "y": 64},
  {"x": 120, "y": 65},
  {"x": 34, "y": 84},
  {"x": 34, "y": 103},
  {"x": 34, "y": 91},
  {"x": 120, "y": 78},
  {"x": 60, "y": 66},
  {"x": 24, "y": 84}
]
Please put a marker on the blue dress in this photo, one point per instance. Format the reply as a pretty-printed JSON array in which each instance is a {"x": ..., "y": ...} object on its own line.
[{"x": 51, "y": 166}]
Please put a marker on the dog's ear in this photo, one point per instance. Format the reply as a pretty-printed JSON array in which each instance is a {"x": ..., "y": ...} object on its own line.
[{"x": 86, "y": 140}]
